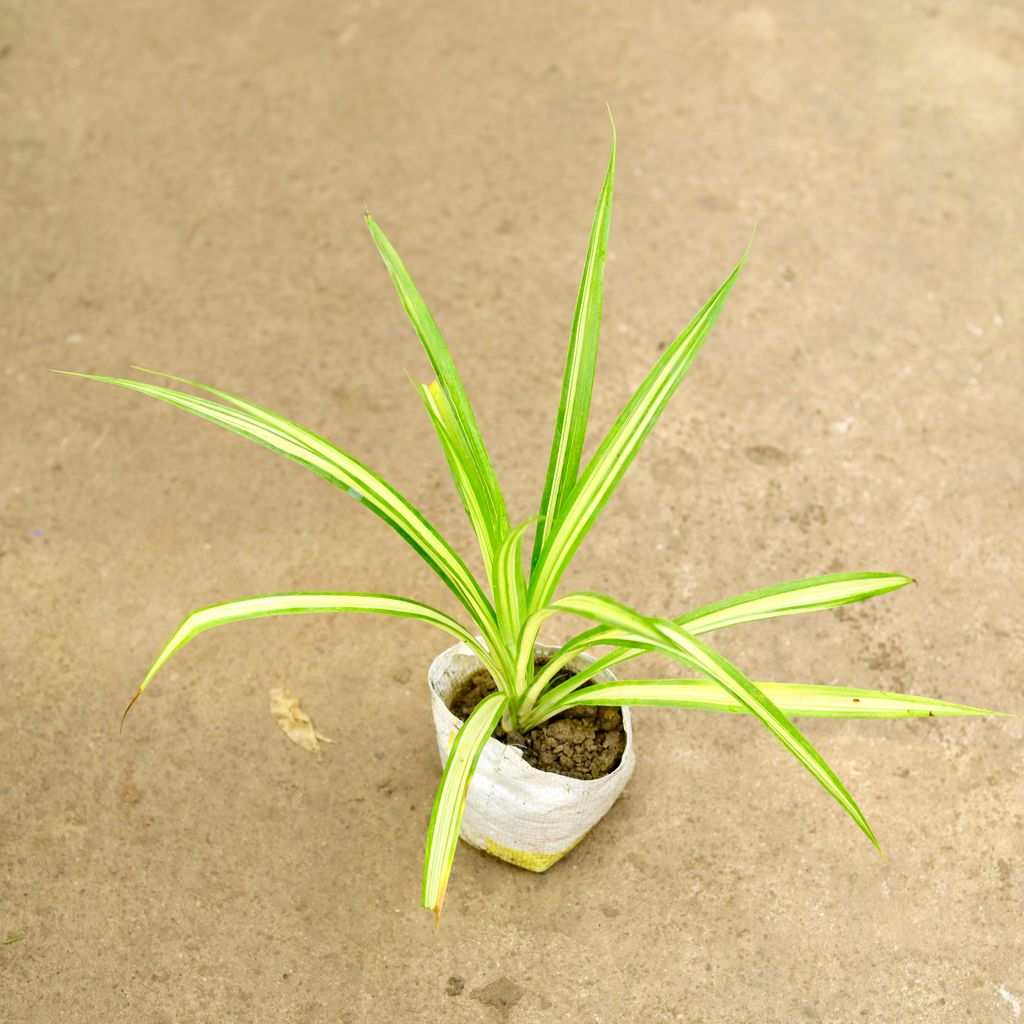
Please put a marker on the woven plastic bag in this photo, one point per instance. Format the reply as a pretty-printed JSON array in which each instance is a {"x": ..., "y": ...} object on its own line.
[{"x": 514, "y": 811}]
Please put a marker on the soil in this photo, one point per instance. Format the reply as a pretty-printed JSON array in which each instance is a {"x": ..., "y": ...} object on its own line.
[{"x": 583, "y": 743}]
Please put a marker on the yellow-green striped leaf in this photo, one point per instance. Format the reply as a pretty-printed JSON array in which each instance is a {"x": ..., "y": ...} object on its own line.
[
  {"x": 461, "y": 467},
  {"x": 812, "y": 594},
  {"x": 447, "y": 375},
  {"x": 341, "y": 469},
  {"x": 450, "y": 802},
  {"x": 620, "y": 446},
  {"x": 807, "y": 595},
  {"x": 580, "y": 364},
  {"x": 509, "y": 583},
  {"x": 794, "y": 700},
  {"x": 264, "y": 605},
  {"x": 677, "y": 643}
]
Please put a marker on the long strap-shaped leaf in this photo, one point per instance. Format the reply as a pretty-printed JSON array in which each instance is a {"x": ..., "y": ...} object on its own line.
[
  {"x": 617, "y": 450},
  {"x": 807, "y": 595},
  {"x": 450, "y": 802},
  {"x": 460, "y": 464},
  {"x": 448, "y": 377},
  {"x": 812, "y": 594},
  {"x": 794, "y": 700},
  {"x": 580, "y": 363},
  {"x": 303, "y": 446},
  {"x": 297, "y": 603},
  {"x": 509, "y": 583},
  {"x": 318, "y": 444},
  {"x": 677, "y": 643}
]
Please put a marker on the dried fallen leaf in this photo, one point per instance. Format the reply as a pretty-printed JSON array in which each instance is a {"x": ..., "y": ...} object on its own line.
[{"x": 294, "y": 722}]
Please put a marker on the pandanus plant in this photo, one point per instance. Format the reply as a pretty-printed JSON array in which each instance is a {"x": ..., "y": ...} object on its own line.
[{"x": 508, "y": 609}]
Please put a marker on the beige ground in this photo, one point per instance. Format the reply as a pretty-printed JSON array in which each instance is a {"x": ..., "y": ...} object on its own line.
[{"x": 183, "y": 187}]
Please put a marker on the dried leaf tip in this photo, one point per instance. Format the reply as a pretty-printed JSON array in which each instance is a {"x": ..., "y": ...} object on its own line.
[
  {"x": 138, "y": 693},
  {"x": 608, "y": 107}
]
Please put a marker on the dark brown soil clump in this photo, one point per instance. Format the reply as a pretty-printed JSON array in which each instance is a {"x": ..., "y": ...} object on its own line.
[{"x": 583, "y": 743}]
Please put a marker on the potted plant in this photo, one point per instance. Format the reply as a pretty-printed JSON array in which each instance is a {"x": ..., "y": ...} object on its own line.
[{"x": 536, "y": 741}]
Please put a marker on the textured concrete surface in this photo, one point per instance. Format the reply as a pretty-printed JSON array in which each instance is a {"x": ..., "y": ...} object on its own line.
[{"x": 183, "y": 188}]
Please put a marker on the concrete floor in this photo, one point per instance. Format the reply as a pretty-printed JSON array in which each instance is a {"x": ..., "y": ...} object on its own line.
[{"x": 183, "y": 187}]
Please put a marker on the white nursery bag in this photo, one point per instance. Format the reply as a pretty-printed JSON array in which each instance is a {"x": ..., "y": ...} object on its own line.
[{"x": 514, "y": 811}]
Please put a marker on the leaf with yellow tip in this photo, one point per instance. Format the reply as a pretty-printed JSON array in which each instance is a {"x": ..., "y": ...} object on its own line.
[{"x": 450, "y": 802}]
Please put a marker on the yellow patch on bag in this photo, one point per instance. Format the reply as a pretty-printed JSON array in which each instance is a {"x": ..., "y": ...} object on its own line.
[{"x": 531, "y": 861}]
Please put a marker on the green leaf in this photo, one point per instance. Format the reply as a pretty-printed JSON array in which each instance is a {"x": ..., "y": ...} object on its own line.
[
  {"x": 807, "y": 595},
  {"x": 580, "y": 364},
  {"x": 296, "y": 603},
  {"x": 815, "y": 593},
  {"x": 461, "y": 467},
  {"x": 794, "y": 700},
  {"x": 620, "y": 446},
  {"x": 341, "y": 469},
  {"x": 447, "y": 375},
  {"x": 523, "y": 682},
  {"x": 677, "y": 643},
  {"x": 450, "y": 802},
  {"x": 509, "y": 583}
]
